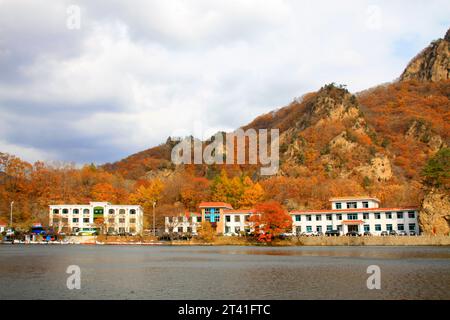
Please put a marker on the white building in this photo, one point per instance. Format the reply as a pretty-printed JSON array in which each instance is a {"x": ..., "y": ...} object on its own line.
[
  {"x": 237, "y": 222},
  {"x": 103, "y": 216},
  {"x": 360, "y": 214},
  {"x": 3, "y": 226},
  {"x": 187, "y": 223}
]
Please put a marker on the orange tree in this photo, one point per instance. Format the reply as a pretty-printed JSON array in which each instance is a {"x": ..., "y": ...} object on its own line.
[{"x": 270, "y": 221}]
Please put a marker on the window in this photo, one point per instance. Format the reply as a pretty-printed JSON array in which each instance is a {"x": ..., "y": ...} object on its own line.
[
  {"x": 388, "y": 215},
  {"x": 189, "y": 230},
  {"x": 132, "y": 220},
  {"x": 365, "y": 216},
  {"x": 378, "y": 227},
  {"x": 64, "y": 220},
  {"x": 389, "y": 227},
  {"x": 338, "y": 205},
  {"x": 237, "y": 218},
  {"x": 318, "y": 217},
  {"x": 122, "y": 211},
  {"x": 122, "y": 220},
  {"x": 132, "y": 211},
  {"x": 65, "y": 211},
  {"x": 401, "y": 227},
  {"x": 412, "y": 227},
  {"x": 111, "y": 220},
  {"x": 55, "y": 211},
  {"x": 246, "y": 217},
  {"x": 199, "y": 219},
  {"x": 339, "y": 216},
  {"x": 319, "y": 228},
  {"x": 308, "y": 229},
  {"x": 75, "y": 220},
  {"x": 329, "y": 217},
  {"x": 76, "y": 211},
  {"x": 399, "y": 215},
  {"x": 111, "y": 211},
  {"x": 308, "y": 217},
  {"x": 86, "y": 220},
  {"x": 86, "y": 211},
  {"x": 377, "y": 215},
  {"x": 298, "y": 217},
  {"x": 365, "y": 204},
  {"x": 298, "y": 230},
  {"x": 227, "y": 218},
  {"x": 110, "y": 229},
  {"x": 411, "y": 214},
  {"x": 352, "y": 216},
  {"x": 180, "y": 219},
  {"x": 329, "y": 227},
  {"x": 351, "y": 205},
  {"x": 366, "y": 228},
  {"x": 227, "y": 229},
  {"x": 217, "y": 218}
]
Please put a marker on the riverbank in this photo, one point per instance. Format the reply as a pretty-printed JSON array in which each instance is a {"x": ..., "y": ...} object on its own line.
[{"x": 424, "y": 240}]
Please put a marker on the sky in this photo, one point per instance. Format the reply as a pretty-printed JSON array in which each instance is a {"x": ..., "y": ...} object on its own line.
[{"x": 94, "y": 81}]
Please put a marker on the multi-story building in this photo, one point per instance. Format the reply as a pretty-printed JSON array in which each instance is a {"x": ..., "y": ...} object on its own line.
[
  {"x": 102, "y": 216},
  {"x": 356, "y": 214},
  {"x": 349, "y": 214},
  {"x": 185, "y": 223},
  {"x": 223, "y": 218}
]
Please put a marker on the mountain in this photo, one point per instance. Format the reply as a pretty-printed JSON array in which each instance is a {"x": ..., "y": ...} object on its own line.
[
  {"x": 375, "y": 141},
  {"x": 432, "y": 64}
]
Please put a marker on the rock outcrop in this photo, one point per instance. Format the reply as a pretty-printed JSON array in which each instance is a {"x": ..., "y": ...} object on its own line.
[
  {"x": 432, "y": 64},
  {"x": 434, "y": 216}
]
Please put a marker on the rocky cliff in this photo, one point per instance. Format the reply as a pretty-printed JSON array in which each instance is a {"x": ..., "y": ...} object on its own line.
[
  {"x": 432, "y": 64},
  {"x": 434, "y": 216}
]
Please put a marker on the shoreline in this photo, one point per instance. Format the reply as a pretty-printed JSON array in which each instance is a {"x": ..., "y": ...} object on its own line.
[{"x": 387, "y": 241}]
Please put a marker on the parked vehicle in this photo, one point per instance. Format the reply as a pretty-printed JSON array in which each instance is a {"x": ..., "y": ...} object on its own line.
[
  {"x": 319, "y": 234},
  {"x": 412, "y": 233},
  {"x": 402, "y": 233},
  {"x": 393, "y": 233},
  {"x": 353, "y": 234},
  {"x": 309, "y": 234},
  {"x": 384, "y": 233},
  {"x": 87, "y": 232},
  {"x": 367, "y": 234},
  {"x": 334, "y": 233}
]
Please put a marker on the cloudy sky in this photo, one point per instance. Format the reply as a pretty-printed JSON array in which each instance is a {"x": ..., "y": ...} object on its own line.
[{"x": 136, "y": 72}]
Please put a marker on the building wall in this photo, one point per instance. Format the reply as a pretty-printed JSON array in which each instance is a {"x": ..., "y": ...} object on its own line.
[
  {"x": 369, "y": 219},
  {"x": 117, "y": 218},
  {"x": 182, "y": 224},
  {"x": 349, "y": 204}
]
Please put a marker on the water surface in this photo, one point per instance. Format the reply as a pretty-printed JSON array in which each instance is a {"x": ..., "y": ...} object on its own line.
[{"x": 137, "y": 272}]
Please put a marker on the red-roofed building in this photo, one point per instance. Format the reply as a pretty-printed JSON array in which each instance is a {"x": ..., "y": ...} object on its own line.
[
  {"x": 3, "y": 226},
  {"x": 356, "y": 214}
]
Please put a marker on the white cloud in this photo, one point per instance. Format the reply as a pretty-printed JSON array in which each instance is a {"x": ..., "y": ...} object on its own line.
[{"x": 139, "y": 71}]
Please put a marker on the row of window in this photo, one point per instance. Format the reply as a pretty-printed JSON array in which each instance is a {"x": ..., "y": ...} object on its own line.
[
  {"x": 377, "y": 227},
  {"x": 87, "y": 220},
  {"x": 87, "y": 211},
  {"x": 352, "y": 205},
  {"x": 355, "y": 216}
]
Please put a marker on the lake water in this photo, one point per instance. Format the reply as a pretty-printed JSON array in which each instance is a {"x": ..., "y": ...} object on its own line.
[{"x": 163, "y": 272}]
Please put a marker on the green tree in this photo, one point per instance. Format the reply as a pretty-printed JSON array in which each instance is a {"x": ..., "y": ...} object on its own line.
[{"x": 437, "y": 170}]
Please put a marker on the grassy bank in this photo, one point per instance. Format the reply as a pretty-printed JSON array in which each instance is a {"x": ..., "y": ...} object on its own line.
[{"x": 327, "y": 241}]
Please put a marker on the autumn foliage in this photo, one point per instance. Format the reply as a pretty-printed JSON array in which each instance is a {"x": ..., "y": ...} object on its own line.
[{"x": 270, "y": 221}]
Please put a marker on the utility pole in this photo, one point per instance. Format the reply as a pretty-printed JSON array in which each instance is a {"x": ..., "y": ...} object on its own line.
[
  {"x": 154, "y": 229},
  {"x": 11, "y": 214}
]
